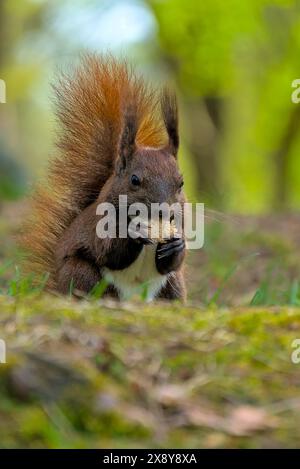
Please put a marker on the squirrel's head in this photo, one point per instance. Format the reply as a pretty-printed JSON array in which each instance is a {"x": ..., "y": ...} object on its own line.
[{"x": 149, "y": 175}]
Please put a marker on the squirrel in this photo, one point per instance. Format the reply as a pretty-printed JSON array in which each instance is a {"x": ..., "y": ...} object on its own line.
[{"x": 117, "y": 135}]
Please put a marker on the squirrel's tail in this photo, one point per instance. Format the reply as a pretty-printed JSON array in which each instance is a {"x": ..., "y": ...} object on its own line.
[{"x": 89, "y": 105}]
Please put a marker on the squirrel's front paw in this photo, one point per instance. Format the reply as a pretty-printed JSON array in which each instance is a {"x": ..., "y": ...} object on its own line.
[{"x": 169, "y": 255}]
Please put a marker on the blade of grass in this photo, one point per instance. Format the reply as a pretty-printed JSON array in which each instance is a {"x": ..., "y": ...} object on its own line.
[{"x": 99, "y": 289}]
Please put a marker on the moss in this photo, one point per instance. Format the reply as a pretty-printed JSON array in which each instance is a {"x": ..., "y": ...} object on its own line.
[{"x": 102, "y": 374}]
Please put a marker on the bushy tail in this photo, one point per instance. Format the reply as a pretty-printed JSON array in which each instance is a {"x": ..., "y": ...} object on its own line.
[{"x": 89, "y": 108}]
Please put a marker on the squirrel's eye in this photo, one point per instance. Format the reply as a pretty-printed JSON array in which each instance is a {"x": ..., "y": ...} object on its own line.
[
  {"x": 181, "y": 184},
  {"x": 135, "y": 180}
]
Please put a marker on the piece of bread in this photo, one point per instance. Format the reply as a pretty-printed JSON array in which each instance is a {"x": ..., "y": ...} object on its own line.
[{"x": 160, "y": 231}]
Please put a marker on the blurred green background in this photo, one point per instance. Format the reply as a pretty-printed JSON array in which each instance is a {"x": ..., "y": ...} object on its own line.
[
  {"x": 232, "y": 63},
  {"x": 214, "y": 373}
]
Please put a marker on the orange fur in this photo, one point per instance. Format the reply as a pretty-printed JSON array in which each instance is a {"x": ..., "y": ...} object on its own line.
[{"x": 89, "y": 105}]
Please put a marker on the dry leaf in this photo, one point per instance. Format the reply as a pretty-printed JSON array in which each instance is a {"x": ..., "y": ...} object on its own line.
[{"x": 245, "y": 419}]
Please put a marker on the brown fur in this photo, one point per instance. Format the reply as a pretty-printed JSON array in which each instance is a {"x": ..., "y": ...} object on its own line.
[{"x": 102, "y": 100}]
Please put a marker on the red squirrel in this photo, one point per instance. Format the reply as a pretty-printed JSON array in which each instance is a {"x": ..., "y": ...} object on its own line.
[{"x": 117, "y": 135}]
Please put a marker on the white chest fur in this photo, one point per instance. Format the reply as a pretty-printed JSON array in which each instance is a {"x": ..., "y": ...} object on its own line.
[{"x": 140, "y": 278}]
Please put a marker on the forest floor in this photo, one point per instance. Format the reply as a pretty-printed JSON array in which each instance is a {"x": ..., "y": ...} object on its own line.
[{"x": 217, "y": 372}]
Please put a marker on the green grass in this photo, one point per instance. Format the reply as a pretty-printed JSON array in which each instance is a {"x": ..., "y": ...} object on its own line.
[
  {"x": 90, "y": 374},
  {"x": 216, "y": 372}
]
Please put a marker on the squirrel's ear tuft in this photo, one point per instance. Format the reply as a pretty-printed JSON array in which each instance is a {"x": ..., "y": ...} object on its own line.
[
  {"x": 127, "y": 143},
  {"x": 170, "y": 116}
]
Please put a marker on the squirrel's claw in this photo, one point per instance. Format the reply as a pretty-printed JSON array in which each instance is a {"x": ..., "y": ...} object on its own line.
[
  {"x": 176, "y": 245},
  {"x": 169, "y": 256}
]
